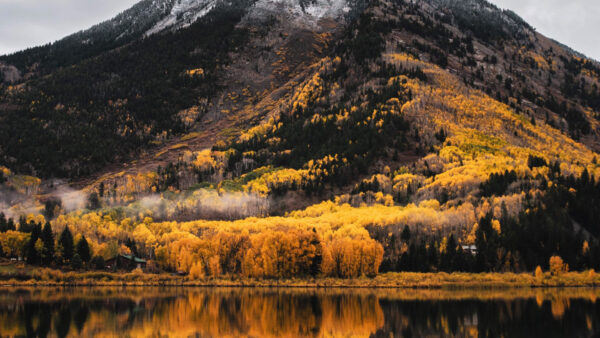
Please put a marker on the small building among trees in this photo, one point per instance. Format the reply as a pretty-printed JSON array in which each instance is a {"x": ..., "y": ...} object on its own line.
[
  {"x": 472, "y": 249},
  {"x": 125, "y": 262}
]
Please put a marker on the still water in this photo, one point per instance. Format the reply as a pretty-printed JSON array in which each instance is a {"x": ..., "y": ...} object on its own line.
[{"x": 251, "y": 312}]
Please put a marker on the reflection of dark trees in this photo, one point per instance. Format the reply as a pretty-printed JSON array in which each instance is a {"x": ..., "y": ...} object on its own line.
[
  {"x": 67, "y": 312},
  {"x": 230, "y": 308},
  {"x": 42, "y": 314},
  {"x": 496, "y": 318},
  {"x": 80, "y": 316},
  {"x": 524, "y": 318},
  {"x": 63, "y": 321},
  {"x": 45, "y": 320}
]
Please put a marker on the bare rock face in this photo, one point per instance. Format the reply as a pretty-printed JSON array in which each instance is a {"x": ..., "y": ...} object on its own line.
[
  {"x": 9, "y": 73},
  {"x": 301, "y": 13},
  {"x": 306, "y": 14}
]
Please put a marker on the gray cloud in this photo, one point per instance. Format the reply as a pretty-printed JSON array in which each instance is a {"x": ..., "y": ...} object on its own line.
[
  {"x": 575, "y": 23},
  {"x": 27, "y": 23}
]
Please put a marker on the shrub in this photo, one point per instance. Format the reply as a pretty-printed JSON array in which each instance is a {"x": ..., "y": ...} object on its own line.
[{"x": 539, "y": 274}]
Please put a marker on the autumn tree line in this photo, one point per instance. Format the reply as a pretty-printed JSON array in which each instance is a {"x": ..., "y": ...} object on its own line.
[
  {"x": 278, "y": 254},
  {"x": 40, "y": 246}
]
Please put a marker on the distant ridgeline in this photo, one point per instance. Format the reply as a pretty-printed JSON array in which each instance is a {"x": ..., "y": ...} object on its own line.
[{"x": 396, "y": 136}]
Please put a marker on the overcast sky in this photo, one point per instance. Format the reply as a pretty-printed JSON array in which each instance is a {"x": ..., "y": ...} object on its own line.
[
  {"x": 27, "y": 23},
  {"x": 575, "y": 23}
]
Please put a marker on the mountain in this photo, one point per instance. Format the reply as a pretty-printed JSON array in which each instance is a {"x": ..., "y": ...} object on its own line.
[{"x": 450, "y": 120}]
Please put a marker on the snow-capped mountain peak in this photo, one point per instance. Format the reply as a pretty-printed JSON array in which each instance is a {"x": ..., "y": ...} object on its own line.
[{"x": 183, "y": 13}]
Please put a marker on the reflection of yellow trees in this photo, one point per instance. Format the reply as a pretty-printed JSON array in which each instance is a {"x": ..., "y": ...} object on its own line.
[
  {"x": 255, "y": 314},
  {"x": 218, "y": 312},
  {"x": 351, "y": 316},
  {"x": 558, "y": 307}
]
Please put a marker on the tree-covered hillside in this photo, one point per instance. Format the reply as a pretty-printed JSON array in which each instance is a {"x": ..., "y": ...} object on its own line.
[
  {"x": 406, "y": 136},
  {"x": 77, "y": 119}
]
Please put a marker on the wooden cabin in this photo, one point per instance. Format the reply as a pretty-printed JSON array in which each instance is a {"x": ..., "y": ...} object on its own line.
[{"x": 125, "y": 262}]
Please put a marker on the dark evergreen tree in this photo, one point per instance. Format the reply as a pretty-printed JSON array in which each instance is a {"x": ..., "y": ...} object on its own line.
[
  {"x": 132, "y": 246},
  {"x": 448, "y": 257},
  {"x": 33, "y": 256},
  {"x": 10, "y": 225},
  {"x": 66, "y": 242},
  {"x": 3, "y": 223},
  {"x": 93, "y": 202},
  {"x": 432, "y": 257},
  {"x": 51, "y": 206},
  {"x": 24, "y": 226},
  {"x": 48, "y": 239},
  {"x": 83, "y": 250},
  {"x": 76, "y": 262},
  {"x": 486, "y": 240},
  {"x": 315, "y": 267},
  {"x": 101, "y": 190}
]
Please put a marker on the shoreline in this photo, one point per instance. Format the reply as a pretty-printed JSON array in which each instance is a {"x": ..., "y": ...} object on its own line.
[{"x": 390, "y": 280}]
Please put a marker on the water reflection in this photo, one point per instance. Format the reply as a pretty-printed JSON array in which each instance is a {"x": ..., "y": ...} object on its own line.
[{"x": 223, "y": 312}]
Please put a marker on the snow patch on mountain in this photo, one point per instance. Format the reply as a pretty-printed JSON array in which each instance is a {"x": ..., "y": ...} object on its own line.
[
  {"x": 304, "y": 12},
  {"x": 307, "y": 13},
  {"x": 183, "y": 13}
]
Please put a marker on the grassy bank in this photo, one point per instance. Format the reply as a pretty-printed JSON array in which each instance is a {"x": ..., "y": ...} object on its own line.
[{"x": 19, "y": 274}]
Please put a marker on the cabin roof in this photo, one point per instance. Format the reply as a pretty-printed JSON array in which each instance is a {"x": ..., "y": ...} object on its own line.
[{"x": 130, "y": 258}]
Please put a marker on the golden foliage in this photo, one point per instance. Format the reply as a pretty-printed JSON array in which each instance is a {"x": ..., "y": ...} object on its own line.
[
  {"x": 27, "y": 185},
  {"x": 13, "y": 243},
  {"x": 195, "y": 72},
  {"x": 484, "y": 135},
  {"x": 351, "y": 258},
  {"x": 5, "y": 171},
  {"x": 539, "y": 274},
  {"x": 557, "y": 266}
]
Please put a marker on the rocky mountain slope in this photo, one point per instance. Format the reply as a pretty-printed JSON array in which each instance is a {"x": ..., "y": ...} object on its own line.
[{"x": 454, "y": 120}]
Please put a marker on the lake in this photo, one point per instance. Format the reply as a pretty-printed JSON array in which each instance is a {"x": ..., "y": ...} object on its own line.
[{"x": 276, "y": 312}]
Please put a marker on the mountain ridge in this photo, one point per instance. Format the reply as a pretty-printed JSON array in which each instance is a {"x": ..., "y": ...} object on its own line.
[{"x": 454, "y": 120}]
